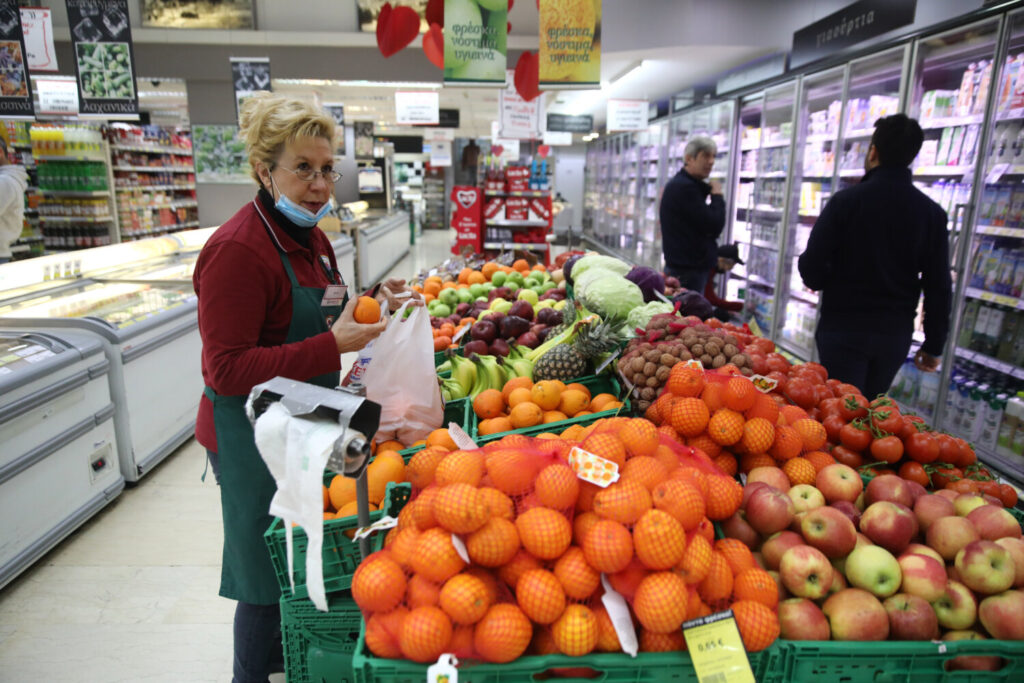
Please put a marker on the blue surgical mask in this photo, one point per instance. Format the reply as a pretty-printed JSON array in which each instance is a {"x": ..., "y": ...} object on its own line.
[{"x": 300, "y": 215}]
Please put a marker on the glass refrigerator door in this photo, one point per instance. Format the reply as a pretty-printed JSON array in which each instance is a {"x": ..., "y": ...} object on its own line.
[
  {"x": 817, "y": 144},
  {"x": 743, "y": 199},
  {"x": 950, "y": 85},
  {"x": 630, "y": 184},
  {"x": 874, "y": 92},
  {"x": 117, "y": 304},
  {"x": 648, "y": 238}
]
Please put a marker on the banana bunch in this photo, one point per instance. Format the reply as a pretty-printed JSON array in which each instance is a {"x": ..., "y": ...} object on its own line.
[
  {"x": 489, "y": 374},
  {"x": 470, "y": 376},
  {"x": 517, "y": 364}
]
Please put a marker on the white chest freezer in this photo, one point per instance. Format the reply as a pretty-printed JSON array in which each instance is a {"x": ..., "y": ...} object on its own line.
[
  {"x": 58, "y": 462},
  {"x": 345, "y": 255},
  {"x": 381, "y": 242}
]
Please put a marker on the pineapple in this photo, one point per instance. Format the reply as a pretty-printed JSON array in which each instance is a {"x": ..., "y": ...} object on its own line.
[{"x": 571, "y": 359}]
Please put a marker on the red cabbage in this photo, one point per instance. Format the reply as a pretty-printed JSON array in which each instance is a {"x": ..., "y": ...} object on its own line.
[
  {"x": 692, "y": 303},
  {"x": 649, "y": 281},
  {"x": 567, "y": 266}
]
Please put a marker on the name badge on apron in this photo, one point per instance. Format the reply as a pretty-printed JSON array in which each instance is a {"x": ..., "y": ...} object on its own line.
[{"x": 334, "y": 295}]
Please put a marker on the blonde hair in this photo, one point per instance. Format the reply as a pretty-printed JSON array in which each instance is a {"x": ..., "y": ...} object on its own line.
[{"x": 269, "y": 122}]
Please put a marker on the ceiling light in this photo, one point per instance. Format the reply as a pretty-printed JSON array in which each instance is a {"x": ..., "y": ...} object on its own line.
[{"x": 635, "y": 66}]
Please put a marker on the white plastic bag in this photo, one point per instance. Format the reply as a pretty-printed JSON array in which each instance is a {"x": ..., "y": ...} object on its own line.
[{"x": 402, "y": 379}]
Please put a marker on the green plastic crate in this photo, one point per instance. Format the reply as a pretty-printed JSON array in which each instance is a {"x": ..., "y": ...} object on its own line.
[
  {"x": 584, "y": 421},
  {"x": 318, "y": 646},
  {"x": 890, "y": 662},
  {"x": 341, "y": 554}
]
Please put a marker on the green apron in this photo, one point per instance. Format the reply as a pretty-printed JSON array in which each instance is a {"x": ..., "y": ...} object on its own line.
[{"x": 246, "y": 485}]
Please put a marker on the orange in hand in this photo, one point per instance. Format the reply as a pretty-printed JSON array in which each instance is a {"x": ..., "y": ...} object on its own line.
[{"x": 367, "y": 310}]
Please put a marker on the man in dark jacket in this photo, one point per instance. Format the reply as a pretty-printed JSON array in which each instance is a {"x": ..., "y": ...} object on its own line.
[
  {"x": 690, "y": 223},
  {"x": 873, "y": 250}
]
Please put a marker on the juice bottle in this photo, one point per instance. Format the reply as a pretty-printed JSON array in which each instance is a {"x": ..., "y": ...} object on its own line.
[
  {"x": 965, "y": 95},
  {"x": 994, "y": 407}
]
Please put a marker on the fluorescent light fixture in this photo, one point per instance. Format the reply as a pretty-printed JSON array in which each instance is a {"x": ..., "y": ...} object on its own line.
[
  {"x": 635, "y": 66},
  {"x": 433, "y": 85}
]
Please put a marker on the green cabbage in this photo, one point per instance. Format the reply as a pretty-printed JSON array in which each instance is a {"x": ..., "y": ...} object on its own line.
[
  {"x": 608, "y": 263},
  {"x": 590, "y": 276},
  {"x": 612, "y": 297},
  {"x": 639, "y": 317}
]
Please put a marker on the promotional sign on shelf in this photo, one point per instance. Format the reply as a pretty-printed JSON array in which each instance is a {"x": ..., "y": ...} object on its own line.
[
  {"x": 475, "y": 38},
  {"x": 416, "y": 108},
  {"x": 37, "y": 25},
  {"x": 101, "y": 42},
  {"x": 570, "y": 52},
  {"x": 16, "y": 92},
  {"x": 466, "y": 219},
  {"x": 250, "y": 75},
  {"x": 440, "y": 153},
  {"x": 337, "y": 112},
  {"x": 520, "y": 119},
  {"x": 58, "y": 95},
  {"x": 627, "y": 115}
]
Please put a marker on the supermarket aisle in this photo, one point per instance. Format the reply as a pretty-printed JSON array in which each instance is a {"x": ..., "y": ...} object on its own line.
[{"x": 132, "y": 596}]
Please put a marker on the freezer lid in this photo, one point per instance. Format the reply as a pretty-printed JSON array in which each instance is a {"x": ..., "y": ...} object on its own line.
[{"x": 26, "y": 356}]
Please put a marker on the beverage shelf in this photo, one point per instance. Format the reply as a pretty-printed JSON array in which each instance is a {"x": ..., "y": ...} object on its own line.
[
  {"x": 947, "y": 121},
  {"x": 992, "y": 297},
  {"x": 942, "y": 170},
  {"x": 156, "y": 169},
  {"x": 1000, "y": 231},
  {"x": 990, "y": 362},
  {"x": 76, "y": 193},
  {"x": 151, "y": 149},
  {"x": 76, "y": 219},
  {"x": 189, "y": 186},
  {"x": 68, "y": 157}
]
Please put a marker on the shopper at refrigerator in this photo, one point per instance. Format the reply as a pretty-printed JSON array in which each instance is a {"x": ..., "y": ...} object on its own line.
[
  {"x": 262, "y": 281},
  {"x": 13, "y": 181},
  {"x": 692, "y": 216},
  {"x": 871, "y": 253},
  {"x": 728, "y": 257}
]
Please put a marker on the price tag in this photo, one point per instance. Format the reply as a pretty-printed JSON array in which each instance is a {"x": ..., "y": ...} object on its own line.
[
  {"x": 618, "y": 612},
  {"x": 607, "y": 362},
  {"x": 996, "y": 173},
  {"x": 460, "y": 548},
  {"x": 764, "y": 384},
  {"x": 460, "y": 333},
  {"x": 462, "y": 440},
  {"x": 716, "y": 648},
  {"x": 444, "y": 670},
  {"x": 381, "y": 524},
  {"x": 593, "y": 468}
]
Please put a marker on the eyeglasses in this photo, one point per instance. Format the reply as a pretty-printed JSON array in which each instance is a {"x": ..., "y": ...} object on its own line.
[{"x": 307, "y": 174}]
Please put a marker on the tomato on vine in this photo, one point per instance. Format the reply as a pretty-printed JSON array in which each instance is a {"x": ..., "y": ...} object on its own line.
[
  {"x": 887, "y": 418},
  {"x": 887, "y": 449},
  {"x": 855, "y": 436},
  {"x": 845, "y": 456},
  {"x": 922, "y": 447},
  {"x": 914, "y": 471},
  {"x": 1008, "y": 495},
  {"x": 852, "y": 406}
]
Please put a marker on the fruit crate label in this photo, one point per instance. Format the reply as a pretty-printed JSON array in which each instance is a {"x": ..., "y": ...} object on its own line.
[
  {"x": 764, "y": 384},
  {"x": 460, "y": 548},
  {"x": 381, "y": 524},
  {"x": 444, "y": 670},
  {"x": 607, "y": 362},
  {"x": 618, "y": 612},
  {"x": 460, "y": 333},
  {"x": 694, "y": 363},
  {"x": 462, "y": 440},
  {"x": 593, "y": 468},
  {"x": 716, "y": 648}
]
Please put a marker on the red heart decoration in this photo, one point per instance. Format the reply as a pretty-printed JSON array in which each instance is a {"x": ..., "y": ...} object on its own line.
[
  {"x": 543, "y": 151},
  {"x": 527, "y": 76},
  {"x": 396, "y": 28},
  {"x": 433, "y": 45},
  {"x": 434, "y": 13},
  {"x": 512, "y": 3},
  {"x": 496, "y": 150}
]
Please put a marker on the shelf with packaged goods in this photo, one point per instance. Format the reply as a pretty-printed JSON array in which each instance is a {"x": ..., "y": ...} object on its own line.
[
  {"x": 757, "y": 280},
  {"x": 76, "y": 219},
  {"x": 772, "y": 174},
  {"x": 990, "y": 362},
  {"x": 154, "y": 207},
  {"x": 520, "y": 193},
  {"x": 155, "y": 169},
  {"x": 1010, "y": 114},
  {"x": 127, "y": 188},
  {"x": 859, "y": 133},
  {"x": 947, "y": 121},
  {"x": 515, "y": 245},
  {"x": 75, "y": 193},
  {"x": 1000, "y": 231},
  {"x": 851, "y": 172},
  {"x": 806, "y": 297},
  {"x": 147, "y": 149},
  {"x": 993, "y": 298},
  {"x": 942, "y": 170},
  {"x": 68, "y": 157},
  {"x": 822, "y": 137}
]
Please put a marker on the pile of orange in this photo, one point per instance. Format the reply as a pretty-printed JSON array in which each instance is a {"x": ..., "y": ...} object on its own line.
[
  {"x": 386, "y": 467},
  {"x": 445, "y": 333},
  {"x": 523, "y": 403}
]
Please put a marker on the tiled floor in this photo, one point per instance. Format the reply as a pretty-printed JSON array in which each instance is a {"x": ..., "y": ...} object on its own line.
[{"x": 132, "y": 595}]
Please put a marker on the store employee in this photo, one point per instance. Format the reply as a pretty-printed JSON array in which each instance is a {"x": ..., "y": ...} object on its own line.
[{"x": 261, "y": 280}]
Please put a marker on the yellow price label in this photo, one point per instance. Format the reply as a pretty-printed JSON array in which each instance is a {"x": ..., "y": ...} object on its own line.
[
  {"x": 755, "y": 329},
  {"x": 716, "y": 647}
]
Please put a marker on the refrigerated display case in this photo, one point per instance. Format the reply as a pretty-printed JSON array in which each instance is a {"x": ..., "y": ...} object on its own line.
[{"x": 58, "y": 466}]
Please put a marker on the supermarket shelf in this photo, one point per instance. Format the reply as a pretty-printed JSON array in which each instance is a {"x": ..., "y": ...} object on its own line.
[
  {"x": 764, "y": 245},
  {"x": 190, "y": 186},
  {"x": 991, "y": 297},
  {"x": 67, "y": 157},
  {"x": 515, "y": 245},
  {"x": 851, "y": 172},
  {"x": 806, "y": 297},
  {"x": 942, "y": 170},
  {"x": 826, "y": 176},
  {"x": 749, "y": 175},
  {"x": 759, "y": 281},
  {"x": 21, "y": 145},
  {"x": 1000, "y": 231},
  {"x": 523, "y": 193},
  {"x": 156, "y": 169},
  {"x": 154, "y": 207},
  {"x": 773, "y": 174},
  {"x": 75, "y": 193},
  {"x": 516, "y": 224},
  {"x": 1010, "y": 114},
  {"x": 150, "y": 149},
  {"x": 822, "y": 137},
  {"x": 76, "y": 219},
  {"x": 810, "y": 214},
  {"x": 775, "y": 143},
  {"x": 947, "y": 121},
  {"x": 859, "y": 133},
  {"x": 990, "y": 362}
]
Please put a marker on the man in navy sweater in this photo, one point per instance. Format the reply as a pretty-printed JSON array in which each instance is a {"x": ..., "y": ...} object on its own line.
[{"x": 875, "y": 248}]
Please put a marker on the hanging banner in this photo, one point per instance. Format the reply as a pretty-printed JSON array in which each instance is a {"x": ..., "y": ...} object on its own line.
[
  {"x": 337, "y": 112},
  {"x": 37, "y": 25},
  {"x": 416, "y": 108},
  {"x": 566, "y": 123},
  {"x": 627, "y": 115},
  {"x": 15, "y": 91},
  {"x": 570, "y": 44},
  {"x": 101, "y": 41},
  {"x": 475, "y": 38},
  {"x": 519, "y": 119},
  {"x": 853, "y": 24},
  {"x": 250, "y": 75}
]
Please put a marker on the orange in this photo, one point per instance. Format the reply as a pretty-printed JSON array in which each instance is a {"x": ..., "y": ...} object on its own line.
[
  {"x": 404, "y": 545},
  {"x": 519, "y": 395},
  {"x": 490, "y": 582},
  {"x": 513, "y": 384},
  {"x": 576, "y": 631},
  {"x": 659, "y": 540},
  {"x": 758, "y": 434},
  {"x": 543, "y": 642},
  {"x": 682, "y": 500},
  {"x": 608, "y": 546},
  {"x": 435, "y": 557},
  {"x": 758, "y": 624},
  {"x": 692, "y": 475},
  {"x": 350, "y": 509},
  {"x": 646, "y": 470},
  {"x": 464, "y": 275},
  {"x": 367, "y": 310},
  {"x": 685, "y": 380},
  {"x": 426, "y": 633},
  {"x": 607, "y": 638},
  {"x": 546, "y": 395},
  {"x": 758, "y": 585},
  {"x": 497, "y": 503},
  {"x": 512, "y": 471},
  {"x": 812, "y": 433},
  {"x": 459, "y": 508},
  {"x": 739, "y": 394},
  {"x": 791, "y": 414},
  {"x": 819, "y": 459},
  {"x": 800, "y": 471},
  {"x": 464, "y": 598},
  {"x": 640, "y": 437},
  {"x": 581, "y": 524},
  {"x": 576, "y": 386},
  {"x": 422, "y": 466},
  {"x": 418, "y": 444},
  {"x": 442, "y": 439},
  {"x": 751, "y": 460},
  {"x": 724, "y": 497},
  {"x": 544, "y": 533},
  {"x": 465, "y": 467},
  {"x": 717, "y": 585},
  {"x": 521, "y": 265},
  {"x": 341, "y": 491},
  {"x": 494, "y": 426},
  {"x": 489, "y": 269},
  {"x": 540, "y": 595},
  {"x": 713, "y": 394},
  {"x": 726, "y": 462},
  {"x": 552, "y": 416},
  {"x": 521, "y": 562},
  {"x": 387, "y": 466},
  {"x": 578, "y": 579},
  {"x": 327, "y": 498},
  {"x": 667, "y": 457},
  {"x": 557, "y": 486},
  {"x": 736, "y": 553},
  {"x": 585, "y": 502},
  {"x": 378, "y": 584},
  {"x": 696, "y": 562},
  {"x": 660, "y": 602},
  {"x": 624, "y": 501},
  {"x": 608, "y": 446},
  {"x": 726, "y": 427},
  {"x": 689, "y": 416},
  {"x": 572, "y": 401},
  {"x": 476, "y": 278},
  {"x": 421, "y": 592},
  {"x": 787, "y": 443},
  {"x": 493, "y": 544},
  {"x": 525, "y": 415},
  {"x": 571, "y": 433},
  {"x": 423, "y": 509},
  {"x": 704, "y": 443},
  {"x": 598, "y": 403},
  {"x": 764, "y": 406},
  {"x": 383, "y": 631},
  {"x": 488, "y": 403},
  {"x": 503, "y": 634},
  {"x": 390, "y": 446},
  {"x": 673, "y": 641}
]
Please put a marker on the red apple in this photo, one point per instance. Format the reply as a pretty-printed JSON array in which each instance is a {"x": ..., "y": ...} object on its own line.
[
  {"x": 992, "y": 500},
  {"x": 806, "y": 572},
  {"x": 1001, "y": 615},
  {"x": 838, "y": 583},
  {"x": 888, "y": 487},
  {"x": 749, "y": 489},
  {"x": 798, "y": 519},
  {"x": 783, "y": 593},
  {"x": 848, "y": 509},
  {"x": 921, "y": 549},
  {"x": 801, "y": 619},
  {"x": 966, "y": 502},
  {"x": 806, "y": 498},
  {"x": 777, "y": 544},
  {"x": 891, "y": 525},
  {"x": 957, "y": 608},
  {"x": 986, "y": 567},
  {"x": 1015, "y": 547},
  {"x": 916, "y": 490},
  {"x": 830, "y": 531},
  {"x": 923, "y": 576},
  {"x": 949, "y": 534},
  {"x": 994, "y": 522},
  {"x": 929, "y": 508},
  {"x": 769, "y": 510},
  {"x": 874, "y": 569},
  {"x": 971, "y": 662},
  {"x": 839, "y": 482},
  {"x": 911, "y": 618},
  {"x": 737, "y": 527},
  {"x": 773, "y": 476},
  {"x": 948, "y": 494},
  {"x": 855, "y": 614},
  {"x": 952, "y": 574}
]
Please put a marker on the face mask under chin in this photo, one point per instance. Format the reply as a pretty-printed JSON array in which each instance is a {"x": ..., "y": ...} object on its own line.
[{"x": 299, "y": 215}]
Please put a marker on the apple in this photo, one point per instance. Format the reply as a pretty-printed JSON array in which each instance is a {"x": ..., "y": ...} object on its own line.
[
  {"x": 888, "y": 487},
  {"x": 855, "y": 614},
  {"x": 966, "y": 502},
  {"x": 801, "y": 619},
  {"x": 986, "y": 567},
  {"x": 921, "y": 549},
  {"x": 911, "y": 618},
  {"x": 848, "y": 509},
  {"x": 994, "y": 522},
  {"x": 1015, "y": 547},
  {"x": 769, "y": 510},
  {"x": 948, "y": 494},
  {"x": 776, "y": 545},
  {"x": 773, "y": 476},
  {"x": 859, "y": 503},
  {"x": 783, "y": 593},
  {"x": 874, "y": 569},
  {"x": 737, "y": 527},
  {"x": 863, "y": 540},
  {"x": 806, "y": 498},
  {"x": 797, "y": 520},
  {"x": 1001, "y": 615},
  {"x": 838, "y": 583},
  {"x": 971, "y": 662},
  {"x": 839, "y": 482},
  {"x": 916, "y": 490},
  {"x": 748, "y": 491},
  {"x": 923, "y": 576},
  {"x": 758, "y": 558},
  {"x": 891, "y": 525},
  {"x": 830, "y": 531},
  {"x": 806, "y": 572},
  {"x": 957, "y": 608},
  {"x": 929, "y": 508},
  {"x": 949, "y": 534},
  {"x": 952, "y": 574}
]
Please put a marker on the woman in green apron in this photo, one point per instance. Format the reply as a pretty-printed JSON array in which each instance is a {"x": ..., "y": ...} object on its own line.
[{"x": 271, "y": 303}]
